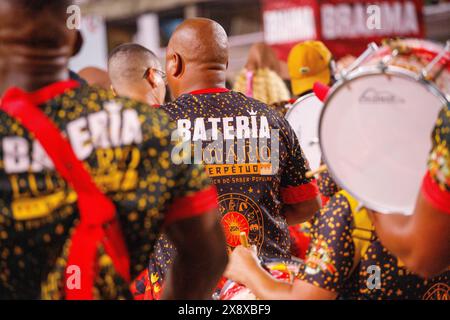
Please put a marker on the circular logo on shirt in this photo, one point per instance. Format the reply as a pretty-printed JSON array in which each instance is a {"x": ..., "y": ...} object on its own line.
[
  {"x": 234, "y": 223},
  {"x": 241, "y": 214}
]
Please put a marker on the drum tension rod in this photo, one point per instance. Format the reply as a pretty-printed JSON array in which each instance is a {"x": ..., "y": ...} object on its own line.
[
  {"x": 424, "y": 72},
  {"x": 384, "y": 63},
  {"x": 371, "y": 49}
]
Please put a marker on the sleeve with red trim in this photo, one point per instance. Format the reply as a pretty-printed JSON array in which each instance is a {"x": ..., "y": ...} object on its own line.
[
  {"x": 329, "y": 258},
  {"x": 440, "y": 199},
  {"x": 140, "y": 285},
  {"x": 193, "y": 204},
  {"x": 436, "y": 184},
  {"x": 186, "y": 190},
  {"x": 192, "y": 193},
  {"x": 149, "y": 285},
  {"x": 295, "y": 187}
]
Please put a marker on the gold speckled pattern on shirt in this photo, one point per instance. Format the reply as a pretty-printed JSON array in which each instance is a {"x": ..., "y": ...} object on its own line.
[
  {"x": 133, "y": 167},
  {"x": 326, "y": 184},
  {"x": 250, "y": 202},
  {"x": 439, "y": 160},
  {"x": 330, "y": 259}
]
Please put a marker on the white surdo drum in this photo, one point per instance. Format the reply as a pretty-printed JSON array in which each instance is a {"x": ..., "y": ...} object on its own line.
[
  {"x": 304, "y": 117},
  {"x": 375, "y": 134}
]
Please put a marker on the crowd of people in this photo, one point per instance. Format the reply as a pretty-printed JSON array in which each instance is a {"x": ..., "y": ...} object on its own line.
[{"x": 113, "y": 188}]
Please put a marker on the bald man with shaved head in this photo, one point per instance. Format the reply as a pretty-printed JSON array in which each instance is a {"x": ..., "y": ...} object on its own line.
[
  {"x": 251, "y": 154},
  {"x": 197, "y": 56},
  {"x": 136, "y": 72}
]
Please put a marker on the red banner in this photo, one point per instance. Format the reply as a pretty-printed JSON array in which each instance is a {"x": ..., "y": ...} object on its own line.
[
  {"x": 345, "y": 26},
  {"x": 288, "y": 22}
]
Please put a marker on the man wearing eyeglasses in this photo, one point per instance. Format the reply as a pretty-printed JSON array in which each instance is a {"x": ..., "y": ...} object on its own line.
[
  {"x": 136, "y": 73},
  {"x": 46, "y": 231},
  {"x": 251, "y": 153}
]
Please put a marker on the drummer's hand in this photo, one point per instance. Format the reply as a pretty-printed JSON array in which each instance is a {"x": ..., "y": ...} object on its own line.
[{"x": 241, "y": 262}]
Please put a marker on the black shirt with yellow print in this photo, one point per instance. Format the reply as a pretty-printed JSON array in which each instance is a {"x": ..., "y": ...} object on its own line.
[
  {"x": 436, "y": 183},
  {"x": 377, "y": 275},
  {"x": 126, "y": 147},
  {"x": 253, "y": 158}
]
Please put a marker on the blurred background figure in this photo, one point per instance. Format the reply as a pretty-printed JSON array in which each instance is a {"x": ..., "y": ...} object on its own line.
[
  {"x": 95, "y": 77},
  {"x": 261, "y": 56},
  {"x": 260, "y": 77},
  {"x": 344, "y": 62},
  {"x": 309, "y": 62}
]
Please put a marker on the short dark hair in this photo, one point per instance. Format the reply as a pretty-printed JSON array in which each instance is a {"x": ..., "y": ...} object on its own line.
[
  {"x": 130, "y": 48},
  {"x": 128, "y": 62}
]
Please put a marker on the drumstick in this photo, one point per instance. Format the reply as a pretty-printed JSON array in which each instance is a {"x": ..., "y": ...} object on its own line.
[
  {"x": 244, "y": 240},
  {"x": 312, "y": 173},
  {"x": 245, "y": 244}
]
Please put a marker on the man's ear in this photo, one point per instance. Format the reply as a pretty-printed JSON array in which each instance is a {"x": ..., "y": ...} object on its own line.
[
  {"x": 78, "y": 43},
  {"x": 177, "y": 65},
  {"x": 151, "y": 78}
]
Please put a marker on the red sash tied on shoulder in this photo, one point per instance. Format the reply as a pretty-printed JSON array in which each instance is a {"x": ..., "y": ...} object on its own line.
[{"x": 98, "y": 221}]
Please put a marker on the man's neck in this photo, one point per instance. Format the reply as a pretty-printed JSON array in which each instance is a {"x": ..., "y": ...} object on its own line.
[
  {"x": 202, "y": 86},
  {"x": 210, "y": 79},
  {"x": 152, "y": 101},
  {"x": 143, "y": 97}
]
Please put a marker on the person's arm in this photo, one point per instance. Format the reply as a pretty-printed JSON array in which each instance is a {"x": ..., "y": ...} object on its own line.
[
  {"x": 331, "y": 243},
  {"x": 192, "y": 220},
  {"x": 201, "y": 257},
  {"x": 300, "y": 212},
  {"x": 244, "y": 268},
  {"x": 421, "y": 241},
  {"x": 299, "y": 194}
]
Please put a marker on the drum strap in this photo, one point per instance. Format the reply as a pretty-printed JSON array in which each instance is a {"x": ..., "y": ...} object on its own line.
[
  {"x": 363, "y": 229},
  {"x": 98, "y": 221}
]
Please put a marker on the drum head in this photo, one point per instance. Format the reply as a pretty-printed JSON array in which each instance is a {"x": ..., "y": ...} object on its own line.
[
  {"x": 304, "y": 117},
  {"x": 375, "y": 135}
]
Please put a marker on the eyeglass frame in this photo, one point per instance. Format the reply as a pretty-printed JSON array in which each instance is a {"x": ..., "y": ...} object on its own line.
[{"x": 160, "y": 72}]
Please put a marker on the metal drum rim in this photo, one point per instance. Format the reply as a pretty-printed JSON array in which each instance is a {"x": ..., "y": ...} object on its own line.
[{"x": 298, "y": 101}]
